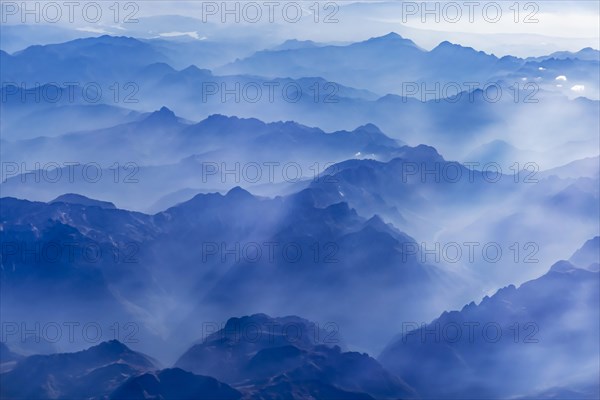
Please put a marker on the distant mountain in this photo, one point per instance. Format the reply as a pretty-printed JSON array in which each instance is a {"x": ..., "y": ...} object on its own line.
[
  {"x": 381, "y": 64},
  {"x": 73, "y": 198},
  {"x": 588, "y": 256},
  {"x": 179, "y": 196},
  {"x": 306, "y": 89},
  {"x": 456, "y": 119},
  {"x": 32, "y": 112},
  {"x": 571, "y": 76},
  {"x": 587, "y": 54},
  {"x": 294, "y": 44},
  {"x": 580, "y": 199},
  {"x": 17, "y": 36},
  {"x": 96, "y": 59},
  {"x": 534, "y": 338},
  {"x": 503, "y": 153},
  {"x": 160, "y": 153},
  {"x": 393, "y": 64},
  {"x": 586, "y": 167},
  {"x": 161, "y": 137},
  {"x": 415, "y": 182},
  {"x": 92, "y": 373},
  {"x": 210, "y": 52}
]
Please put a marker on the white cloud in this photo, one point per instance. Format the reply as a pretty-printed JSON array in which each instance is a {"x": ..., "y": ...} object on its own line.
[
  {"x": 93, "y": 30},
  {"x": 578, "y": 88},
  {"x": 193, "y": 35},
  {"x": 561, "y": 78}
]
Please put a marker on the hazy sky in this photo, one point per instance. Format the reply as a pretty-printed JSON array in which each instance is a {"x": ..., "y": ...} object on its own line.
[{"x": 521, "y": 28}]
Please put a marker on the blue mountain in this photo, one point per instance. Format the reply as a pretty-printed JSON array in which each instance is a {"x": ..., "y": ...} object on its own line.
[
  {"x": 72, "y": 198},
  {"x": 286, "y": 355},
  {"x": 519, "y": 333},
  {"x": 336, "y": 249},
  {"x": 174, "y": 384},
  {"x": 380, "y": 64},
  {"x": 92, "y": 373}
]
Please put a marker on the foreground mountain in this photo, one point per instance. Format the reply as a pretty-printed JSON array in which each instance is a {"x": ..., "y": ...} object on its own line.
[
  {"x": 227, "y": 352},
  {"x": 161, "y": 271},
  {"x": 174, "y": 384},
  {"x": 258, "y": 356},
  {"x": 289, "y": 355},
  {"x": 307, "y": 256},
  {"x": 532, "y": 337},
  {"x": 108, "y": 370},
  {"x": 92, "y": 373}
]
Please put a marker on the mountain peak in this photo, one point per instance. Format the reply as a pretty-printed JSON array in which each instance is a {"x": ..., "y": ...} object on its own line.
[
  {"x": 448, "y": 46},
  {"x": 110, "y": 347},
  {"x": 588, "y": 254},
  {"x": 420, "y": 153},
  {"x": 194, "y": 70},
  {"x": 377, "y": 223},
  {"x": 452, "y": 48},
  {"x": 562, "y": 267},
  {"x": 73, "y": 198},
  {"x": 391, "y": 35},
  {"x": 109, "y": 39},
  {"x": 164, "y": 115},
  {"x": 390, "y": 38},
  {"x": 166, "y": 111},
  {"x": 158, "y": 67},
  {"x": 340, "y": 210},
  {"x": 238, "y": 193},
  {"x": 219, "y": 118},
  {"x": 228, "y": 125},
  {"x": 369, "y": 128},
  {"x": 295, "y": 44}
]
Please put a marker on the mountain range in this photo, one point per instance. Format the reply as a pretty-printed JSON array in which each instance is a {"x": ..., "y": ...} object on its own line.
[{"x": 258, "y": 356}]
